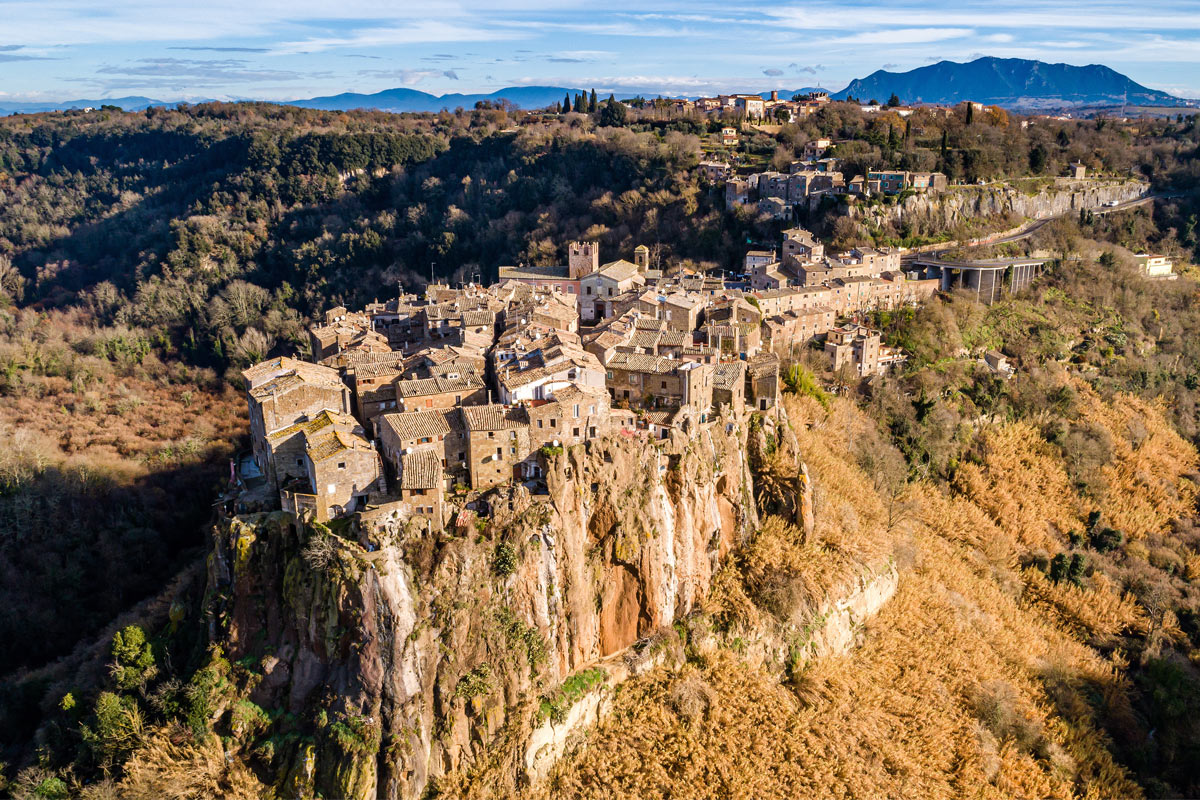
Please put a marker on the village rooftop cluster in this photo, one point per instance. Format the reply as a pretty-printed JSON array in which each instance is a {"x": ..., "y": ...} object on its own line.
[{"x": 417, "y": 401}]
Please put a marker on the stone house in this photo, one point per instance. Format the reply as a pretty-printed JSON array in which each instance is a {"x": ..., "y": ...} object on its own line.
[
  {"x": 737, "y": 192},
  {"x": 794, "y": 328},
  {"x": 729, "y": 386},
  {"x": 734, "y": 338},
  {"x": 414, "y": 394},
  {"x": 573, "y": 415},
  {"x": 855, "y": 346},
  {"x": 285, "y": 448},
  {"x": 780, "y": 301},
  {"x": 658, "y": 381},
  {"x": 343, "y": 469},
  {"x": 801, "y": 246},
  {"x": 682, "y": 311},
  {"x": 774, "y": 208},
  {"x": 283, "y": 391},
  {"x": 422, "y": 487},
  {"x": 439, "y": 431},
  {"x": 497, "y": 443},
  {"x": 762, "y": 381}
]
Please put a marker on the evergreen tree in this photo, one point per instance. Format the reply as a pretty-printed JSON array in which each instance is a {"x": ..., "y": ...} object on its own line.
[
  {"x": 970, "y": 112},
  {"x": 892, "y": 143},
  {"x": 1064, "y": 138},
  {"x": 592, "y": 103},
  {"x": 907, "y": 131},
  {"x": 566, "y": 104},
  {"x": 945, "y": 146},
  {"x": 579, "y": 103},
  {"x": 893, "y": 101},
  {"x": 613, "y": 114}
]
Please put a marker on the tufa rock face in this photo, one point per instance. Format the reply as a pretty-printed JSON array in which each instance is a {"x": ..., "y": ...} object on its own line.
[
  {"x": 386, "y": 670},
  {"x": 946, "y": 210}
]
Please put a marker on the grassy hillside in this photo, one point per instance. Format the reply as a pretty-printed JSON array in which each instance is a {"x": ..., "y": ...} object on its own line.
[{"x": 986, "y": 675}]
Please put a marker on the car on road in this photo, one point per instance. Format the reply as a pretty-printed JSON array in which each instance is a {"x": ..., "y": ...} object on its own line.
[{"x": 1113, "y": 203}]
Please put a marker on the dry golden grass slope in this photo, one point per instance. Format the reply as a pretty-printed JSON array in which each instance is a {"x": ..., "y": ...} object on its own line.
[{"x": 979, "y": 679}]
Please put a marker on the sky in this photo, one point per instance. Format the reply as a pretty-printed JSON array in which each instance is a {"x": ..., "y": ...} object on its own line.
[{"x": 271, "y": 49}]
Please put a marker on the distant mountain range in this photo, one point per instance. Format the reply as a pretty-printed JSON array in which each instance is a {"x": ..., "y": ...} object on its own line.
[
  {"x": 33, "y": 107},
  {"x": 1015, "y": 83},
  {"x": 413, "y": 100}
]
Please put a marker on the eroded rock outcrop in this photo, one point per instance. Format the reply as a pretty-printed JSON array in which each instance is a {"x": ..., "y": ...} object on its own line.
[
  {"x": 430, "y": 656},
  {"x": 947, "y": 210}
]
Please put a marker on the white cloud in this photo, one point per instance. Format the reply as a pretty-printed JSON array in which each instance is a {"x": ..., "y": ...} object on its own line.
[
  {"x": 896, "y": 36},
  {"x": 828, "y": 16}
]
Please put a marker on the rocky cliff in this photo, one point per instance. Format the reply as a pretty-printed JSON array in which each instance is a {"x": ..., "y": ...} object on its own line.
[
  {"x": 969, "y": 204},
  {"x": 385, "y": 670}
]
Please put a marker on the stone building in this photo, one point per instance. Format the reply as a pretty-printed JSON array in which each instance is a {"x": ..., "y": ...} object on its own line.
[
  {"x": 283, "y": 391},
  {"x": 456, "y": 389},
  {"x": 575, "y": 414},
  {"x": 854, "y": 346},
  {"x": 421, "y": 487},
  {"x": 285, "y": 448},
  {"x": 439, "y": 431},
  {"x": 762, "y": 381},
  {"x": 729, "y": 386},
  {"x": 659, "y": 381},
  {"x": 343, "y": 470},
  {"x": 497, "y": 442}
]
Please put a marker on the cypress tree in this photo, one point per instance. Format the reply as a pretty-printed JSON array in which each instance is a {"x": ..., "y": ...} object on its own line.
[
  {"x": 566, "y": 104},
  {"x": 907, "y": 131},
  {"x": 970, "y": 112},
  {"x": 592, "y": 103}
]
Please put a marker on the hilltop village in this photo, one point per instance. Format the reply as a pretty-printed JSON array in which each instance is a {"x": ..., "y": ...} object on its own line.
[{"x": 417, "y": 400}]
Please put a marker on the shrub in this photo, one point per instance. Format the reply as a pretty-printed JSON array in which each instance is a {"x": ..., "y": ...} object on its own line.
[
  {"x": 1106, "y": 539},
  {"x": 115, "y": 729},
  {"x": 554, "y": 706},
  {"x": 504, "y": 561},
  {"x": 802, "y": 382},
  {"x": 520, "y": 635},
  {"x": 247, "y": 718},
  {"x": 133, "y": 662},
  {"x": 357, "y": 735},
  {"x": 475, "y": 683}
]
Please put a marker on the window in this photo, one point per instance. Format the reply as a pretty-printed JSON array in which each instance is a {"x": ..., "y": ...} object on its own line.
[
  {"x": 553, "y": 422},
  {"x": 539, "y": 423},
  {"x": 664, "y": 384},
  {"x": 491, "y": 435},
  {"x": 577, "y": 411},
  {"x": 575, "y": 432},
  {"x": 341, "y": 465}
]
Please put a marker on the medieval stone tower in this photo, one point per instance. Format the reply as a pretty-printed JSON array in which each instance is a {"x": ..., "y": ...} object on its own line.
[
  {"x": 583, "y": 258},
  {"x": 641, "y": 257}
]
